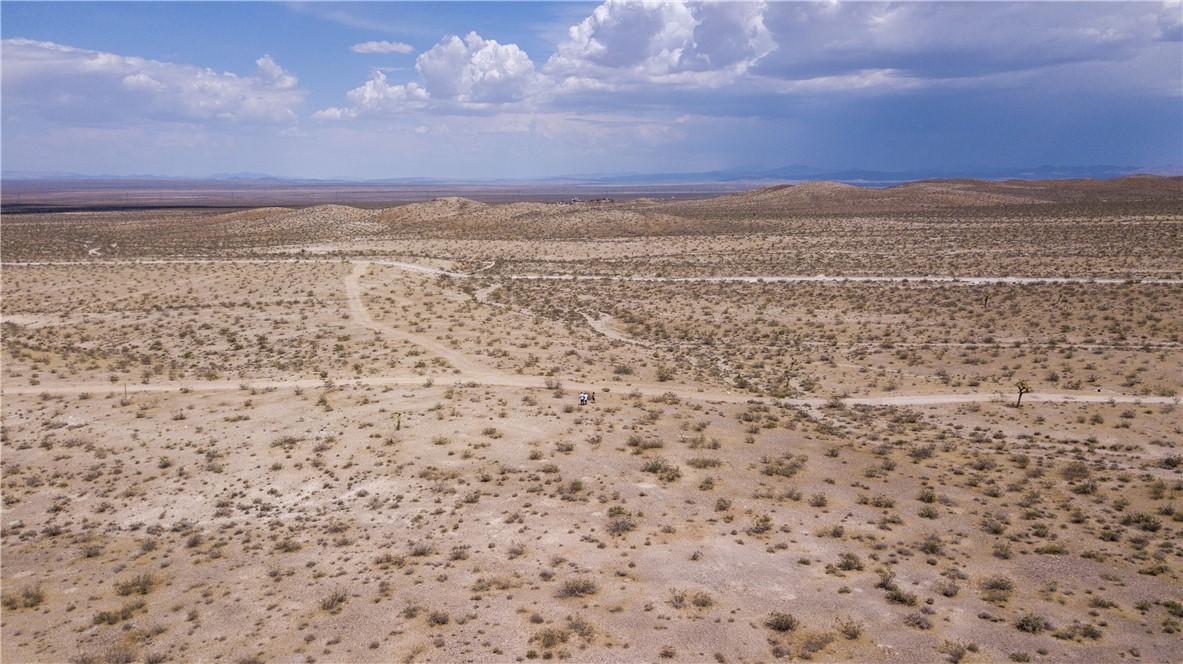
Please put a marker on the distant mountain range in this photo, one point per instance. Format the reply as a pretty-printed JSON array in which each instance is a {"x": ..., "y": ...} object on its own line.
[
  {"x": 785, "y": 174},
  {"x": 798, "y": 173}
]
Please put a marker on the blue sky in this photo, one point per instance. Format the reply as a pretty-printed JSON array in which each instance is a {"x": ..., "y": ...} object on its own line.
[{"x": 527, "y": 89}]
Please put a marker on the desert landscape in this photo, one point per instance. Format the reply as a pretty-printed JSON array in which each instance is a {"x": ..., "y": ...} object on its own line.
[{"x": 932, "y": 422}]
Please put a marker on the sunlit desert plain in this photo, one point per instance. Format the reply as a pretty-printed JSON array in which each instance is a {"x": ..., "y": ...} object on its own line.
[{"x": 933, "y": 422}]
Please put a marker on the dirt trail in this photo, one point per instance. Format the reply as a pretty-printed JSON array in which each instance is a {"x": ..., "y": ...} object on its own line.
[
  {"x": 604, "y": 325},
  {"x": 498, "y": 379},
  {"x": 468, "y": 370},
  {"x": 935, "y": 399},
  {"x": 462, "y": 363}
]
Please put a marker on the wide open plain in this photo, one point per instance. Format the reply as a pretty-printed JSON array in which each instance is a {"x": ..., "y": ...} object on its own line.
[{"x": 337, "y": 433}]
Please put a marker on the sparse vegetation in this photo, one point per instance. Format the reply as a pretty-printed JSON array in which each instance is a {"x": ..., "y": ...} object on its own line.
[{"x": 262, "y": 420}]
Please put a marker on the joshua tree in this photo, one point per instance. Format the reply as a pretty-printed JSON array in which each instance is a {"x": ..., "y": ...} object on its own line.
[{"x": 1023, "y": 388}]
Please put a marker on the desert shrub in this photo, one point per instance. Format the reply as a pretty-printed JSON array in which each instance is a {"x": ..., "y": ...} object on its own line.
[
  {"x": 993, "y": 524},
  {"x": 122, "y": 613},
  {"x": 1077, "y": 631},
  {"x": 621, "y": 525},
  {"x": 26, "y": 598},
  {"x": 578, "y": 588},
  {"x": 550, "y": 637},
  {"x": 1173, "y": 607},
  {"x": 778, "y": 621},
  {"x": 287, "y": 545},
  {"x": 922, "y": 452},
  {"x": 918, "y": 620},
  {"x": 140, "y": 584},
  {"x": 581, "y": 627},
  {"x": 641, "y": 443},
  {"x": 1142, "y": 521},
  {"x": 665, "y": 471},
  {"x": 850, "y": 628},
  {"x": 699, "y": 599},
  {"x": 897, "y": 595},
  {"x": 1076, "y": 470},
  {"x": 334, "y": 601},
  {"x": 1157, "y": 569},
  {"x": 120, "y": 654},
  {"x": 760, "y": 525},
  {"x": 849, "y": 562},
  {"x": 1032, "y": 623},
  {"x": 932, "y": 545},
  {"x": 786, "y": 466},
  {"x": 997, "y": 589},
  {"x": 483, "y": 584},
  {"x": 955, "y": 650},
  {"x": 880, "y": 501},
  {"x": 814, "y": 643}
]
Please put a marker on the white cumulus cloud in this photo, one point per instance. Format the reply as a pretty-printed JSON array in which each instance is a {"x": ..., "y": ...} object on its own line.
[
  {"x": 377, "y": 97},
  {"x": 476, "y": 70},
  {"x": 80, "y": 85},
  {"x": 461, "y": 73},
  {"x": 696, "y": 44}
]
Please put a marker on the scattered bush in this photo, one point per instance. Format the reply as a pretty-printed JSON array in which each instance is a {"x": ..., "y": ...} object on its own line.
[
  {"x": 26, "y": 598},
  {"x": 334, "y": 602},
  {"x": 578, "y": 588},
  {"x": 778, "y": 621},
  {"x": 1032, "y": 623},
  {"x": 140, "y": 584}
]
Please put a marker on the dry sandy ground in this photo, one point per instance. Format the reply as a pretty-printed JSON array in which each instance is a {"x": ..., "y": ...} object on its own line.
[{"x": 328, "y": 446}]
